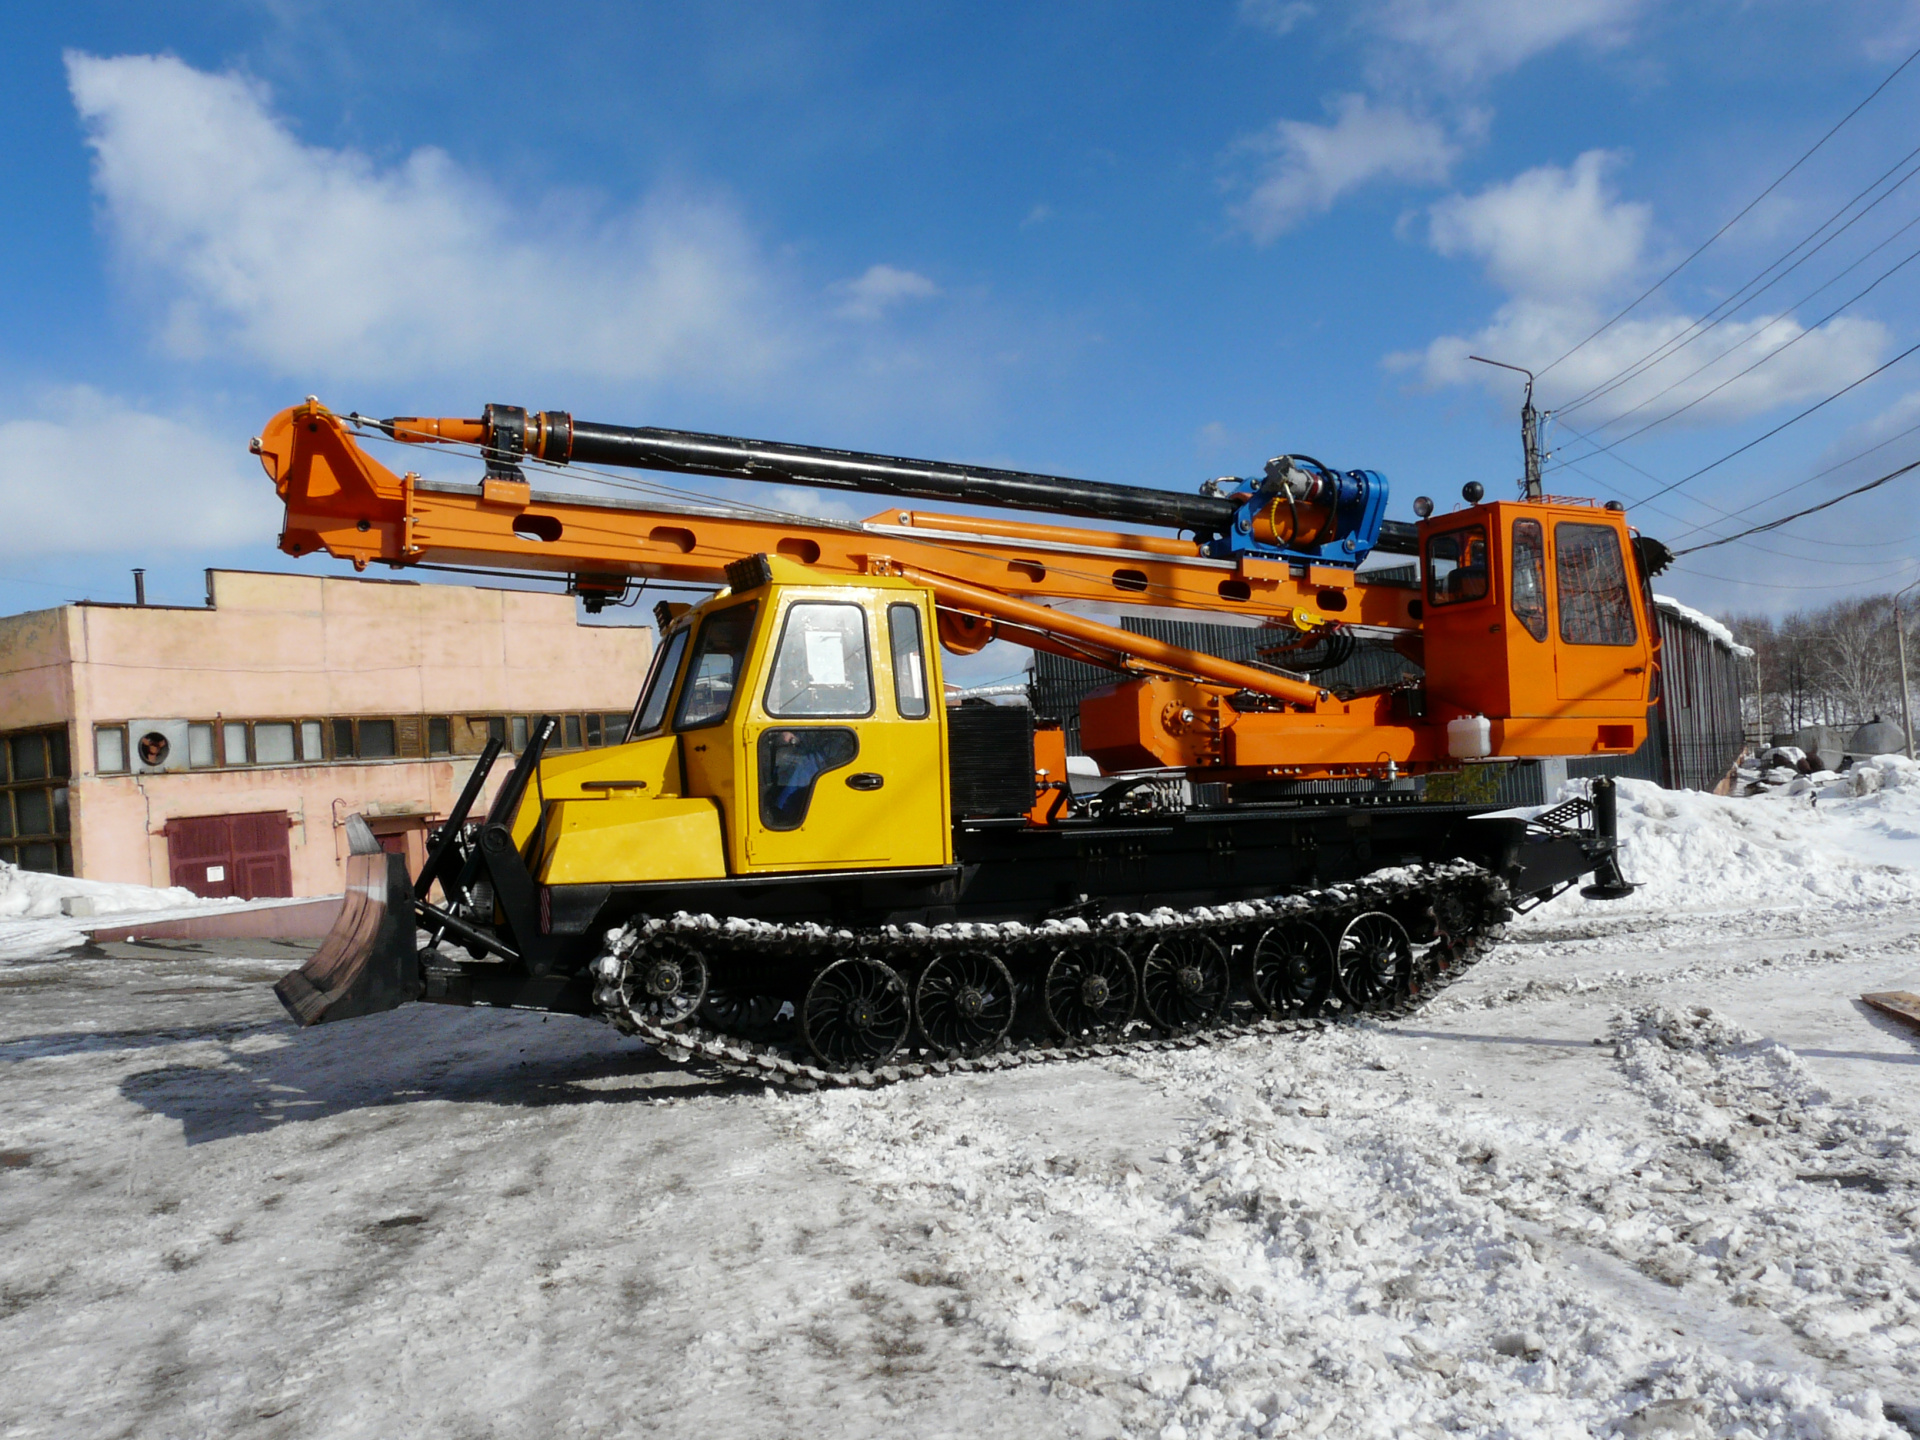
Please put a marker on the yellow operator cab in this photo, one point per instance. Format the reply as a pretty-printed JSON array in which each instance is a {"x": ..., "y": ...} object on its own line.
[{"x": 786, "y": 725}]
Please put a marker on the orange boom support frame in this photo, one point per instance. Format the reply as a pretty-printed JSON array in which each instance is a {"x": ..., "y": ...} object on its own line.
[{"x": 1532, "y": 619}]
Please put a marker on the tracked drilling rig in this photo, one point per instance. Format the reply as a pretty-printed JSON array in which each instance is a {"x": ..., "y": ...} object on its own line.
[{"x": 801, "y": 865}]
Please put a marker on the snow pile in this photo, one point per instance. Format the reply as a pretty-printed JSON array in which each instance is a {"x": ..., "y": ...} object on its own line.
[
  {"x": 31, "y": 895},
  {"x": 1329, "y": 1251},
  {"x": 1689, "y": 850},
  {"x": 1706, "y": 622}
]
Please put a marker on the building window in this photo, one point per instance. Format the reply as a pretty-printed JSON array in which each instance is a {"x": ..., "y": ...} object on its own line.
[
  {"x": 34, "y": 768},
  {"x": 343, "y": 739},
  {"x": 439, "y": 736},
  {"x": 233, "y": 743},
  {"x": 376, "y": 740},
  {"x": 200, "y": 745},
  {"x": 110, "y": 749},
  {"x": 519, "y": 723},
  {"x": 312, "y": 749},
  {"x": 573, "y": 732},
  {"x": 497, "y": 728},
  {"x": 272, "y": 743},
  {"x": 593, "y": 730}
]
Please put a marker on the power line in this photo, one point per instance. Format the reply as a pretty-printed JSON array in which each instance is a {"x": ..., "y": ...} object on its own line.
[
  {"x": 1741, "y": 374},
  {"x": 1734, "y": 303},
  {"x": 1798, "y": 484},
  {"x": 1799, "y": 514},
  {"x": 1622, "y": 314},
  {"x": 1817, "y": 405}
]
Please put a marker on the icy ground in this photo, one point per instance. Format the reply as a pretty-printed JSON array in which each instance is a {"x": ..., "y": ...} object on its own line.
[{"x": 1648, "y": 1171}]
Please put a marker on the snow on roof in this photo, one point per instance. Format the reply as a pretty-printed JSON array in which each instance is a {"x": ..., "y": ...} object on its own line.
[{"x": 1706, "y": 622}]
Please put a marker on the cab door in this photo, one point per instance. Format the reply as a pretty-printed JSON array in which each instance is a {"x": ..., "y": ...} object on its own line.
[
  {"x": 843, "y": 751},
  {"x": 1601, "y": 650}
]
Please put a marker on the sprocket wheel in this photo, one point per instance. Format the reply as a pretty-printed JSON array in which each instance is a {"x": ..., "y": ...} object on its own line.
[
  {"x": 964, "y": 1004},
  {"x": 1293, "y": 970},
  {"x": 663, "y": 980},
  {"x": 1374, "y": 961},
  {"x": 1090, "y": 993},
  {"x": 856, "y": 1013},
  {"x": 1184, "y": 982}
]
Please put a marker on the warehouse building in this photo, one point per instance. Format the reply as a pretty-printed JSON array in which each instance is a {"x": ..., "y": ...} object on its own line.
[{"x": 222, "y": 747}]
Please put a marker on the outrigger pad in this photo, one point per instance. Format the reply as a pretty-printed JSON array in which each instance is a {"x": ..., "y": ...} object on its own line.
[{"x": 369, "y": 961}]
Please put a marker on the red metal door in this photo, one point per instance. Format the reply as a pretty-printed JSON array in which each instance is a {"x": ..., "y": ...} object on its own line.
[{"x": 231, "y": 855}]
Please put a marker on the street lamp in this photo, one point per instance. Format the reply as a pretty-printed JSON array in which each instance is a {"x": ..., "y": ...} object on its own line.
[{"x": 1900, "y": 640}]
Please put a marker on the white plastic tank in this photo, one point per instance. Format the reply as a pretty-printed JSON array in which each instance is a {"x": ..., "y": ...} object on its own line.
[{"x": 1470, "y": 737}]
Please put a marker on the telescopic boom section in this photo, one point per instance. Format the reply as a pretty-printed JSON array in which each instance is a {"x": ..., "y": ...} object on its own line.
[{"x": 506, "y": 434}]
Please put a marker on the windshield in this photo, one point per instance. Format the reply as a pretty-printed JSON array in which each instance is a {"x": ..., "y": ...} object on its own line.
[
  {"x": 652, "y": 706},
  {"x": 708, "y": 694}
]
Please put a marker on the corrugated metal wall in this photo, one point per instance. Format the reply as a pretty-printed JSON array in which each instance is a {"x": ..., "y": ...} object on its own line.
[{"x": 1694, "y": 732}]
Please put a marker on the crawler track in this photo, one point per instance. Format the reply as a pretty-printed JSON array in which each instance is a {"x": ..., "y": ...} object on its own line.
[{"x": 1452, "y": 913}]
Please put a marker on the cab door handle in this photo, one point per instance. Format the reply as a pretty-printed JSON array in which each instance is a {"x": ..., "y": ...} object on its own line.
[{"x": 865, "y": 780}]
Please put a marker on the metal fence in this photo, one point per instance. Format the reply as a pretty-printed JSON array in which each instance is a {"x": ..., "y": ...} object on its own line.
[{"x": 1694, "y": 733}]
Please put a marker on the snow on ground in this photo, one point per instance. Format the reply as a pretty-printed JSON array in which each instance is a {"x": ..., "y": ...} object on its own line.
[
  {"x": 1691, "y": 851},
  {"x": 1647, "y": 1171},
  {"x": 32, "y": 918}
]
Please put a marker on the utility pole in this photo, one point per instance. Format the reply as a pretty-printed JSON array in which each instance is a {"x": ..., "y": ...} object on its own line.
[
  {"x": 1529, "y": 429},
  {"x": 1900, "y": 643}
]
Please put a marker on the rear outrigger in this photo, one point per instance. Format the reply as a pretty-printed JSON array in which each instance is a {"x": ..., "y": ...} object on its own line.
[{"x": 801, "y": 864}]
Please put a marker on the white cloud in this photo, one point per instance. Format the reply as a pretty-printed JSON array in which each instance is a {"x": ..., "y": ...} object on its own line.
[
  {"x": 1277, "y": 17},
  {"x": 879, "y": 289},
  {"x": 1567, "y": 250},
  {"x": 319, "y": 262},
  {"x": 1532, "y": 332},
  {"x": 1547, "y": 231},
  {"x": 85, "y": 472},
  {"x": 1471, "y": 40},
  {"x": 1311, "y": 166}
]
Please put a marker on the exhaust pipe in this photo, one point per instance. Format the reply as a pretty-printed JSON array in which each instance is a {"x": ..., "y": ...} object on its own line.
[{"x": 368, "y": 962}]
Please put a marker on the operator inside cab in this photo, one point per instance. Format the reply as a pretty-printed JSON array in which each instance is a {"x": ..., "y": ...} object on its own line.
[{"x": 1457, "y": 566}]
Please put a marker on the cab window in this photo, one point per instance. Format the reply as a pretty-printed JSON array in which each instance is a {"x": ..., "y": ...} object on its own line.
[
  {"x": 652, "y": 708},
  {"x": 821, "y": 665},
  {"x": 909, "y": 662},
  {"x": 1457, "y": 566},
  {"x": 1591, "y": 574},
  {"x": 1530, "y": 577},
  {"x": 712, "y": 675}
]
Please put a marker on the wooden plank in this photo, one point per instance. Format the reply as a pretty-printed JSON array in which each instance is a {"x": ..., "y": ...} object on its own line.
[{"x": 1902, "y": 1005}]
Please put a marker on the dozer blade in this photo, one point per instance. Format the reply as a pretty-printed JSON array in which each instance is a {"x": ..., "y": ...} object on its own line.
[{"x": 369, "y": 961}]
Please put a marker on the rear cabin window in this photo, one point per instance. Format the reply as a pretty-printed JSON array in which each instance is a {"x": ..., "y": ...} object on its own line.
[
  {"x": 1530, "y": 577},
  {"x": 909, "y": 662},
  {"x": 652, "y": 709},
  {"x": 1591, "y": 573},
  {"x": 714, "y": 672},
  {"x": 1457, "y": 566},
  {"x": 821, "y": 668}
]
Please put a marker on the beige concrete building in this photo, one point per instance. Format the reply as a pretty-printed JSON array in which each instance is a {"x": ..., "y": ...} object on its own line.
[{"x": 223, "y": 747}]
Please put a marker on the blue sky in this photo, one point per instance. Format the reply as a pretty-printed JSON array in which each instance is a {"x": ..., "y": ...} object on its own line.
[{"x": 1145, "y": 243}]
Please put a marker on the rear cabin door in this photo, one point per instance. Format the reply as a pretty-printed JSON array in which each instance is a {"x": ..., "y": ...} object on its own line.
[
  {"x": 1600, "y": 653},
  {"x": 843, "y": 757}
]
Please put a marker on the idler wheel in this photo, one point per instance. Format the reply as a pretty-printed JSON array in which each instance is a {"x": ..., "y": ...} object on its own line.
[
  {"x": 1374, "y": 962},
  {"x": 964, "y": 1004},
  {"x": 1184, "y": 982},
  {"x": 856, "y": 1013},
  {"x": 1292, "y": 970},
  {"x": 664, "y": 980},
  {"x": 1089, "y": 993}
]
